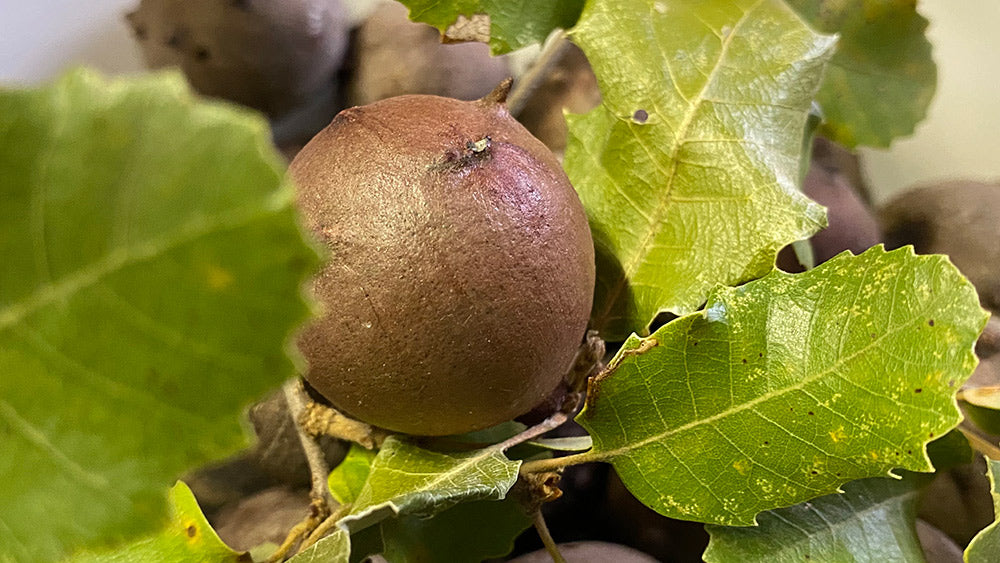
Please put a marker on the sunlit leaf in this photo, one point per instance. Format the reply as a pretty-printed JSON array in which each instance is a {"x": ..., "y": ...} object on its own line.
[
  {"x": 151, "y": 273},
  {"x": 688, "y": 169},
  {"x": 348, "y": 479},
  {"x": 788, "y": 387}
]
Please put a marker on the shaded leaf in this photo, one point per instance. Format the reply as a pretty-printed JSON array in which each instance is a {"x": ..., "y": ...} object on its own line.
[
  {"x": 187, "y": 538},
  {"x": 466, "y": 533},
  {"x": 986, "y": 545},
  {"x": 406, "y": 479},
  {"x": 784, "y": 389},
  {"x": 366, "y": 543},
  {"x": 334, "y": 548},
  {"x": 506, "y": 26},
  {"x": 873, "y": 520},
  {"x": 348, "y": 479},
  {"x": 982, "y": 406},
  {"x": 882, "y": 77},
  {"x": 689, "y": 167},
  {"x": 151, "y": 273},
  {"x": 949, "y": 451},
  {"x": 985, "y": 418}
]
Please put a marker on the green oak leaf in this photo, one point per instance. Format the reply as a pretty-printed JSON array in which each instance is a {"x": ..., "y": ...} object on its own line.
[
  {"x": 873, "y": 520},
  {"x": 689, "y": 167},
  {"x": 466, "y": 533},
  {"x": 882, "y": 77},
  {"x": 408, "y": 480},
  {"x": 334, "y": 548},
  {"x": 506, "y": 26},
  {"x": 986, "y": 545},
  {"x": 783, "y": 389},
  {"x": 348, "y": 479},
  {"x": 187, "y": 538},
  {"x": 469, "y": 531},
  {"x": 151, "y": 273}
]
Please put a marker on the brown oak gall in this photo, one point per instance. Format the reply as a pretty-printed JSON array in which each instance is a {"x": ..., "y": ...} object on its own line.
[{"x": 461, "y": 265}]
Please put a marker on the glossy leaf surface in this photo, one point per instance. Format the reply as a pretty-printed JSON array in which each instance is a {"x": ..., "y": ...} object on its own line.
[
  {"x": 873, "y": 520},
  {"x": 788, "y": 387}
]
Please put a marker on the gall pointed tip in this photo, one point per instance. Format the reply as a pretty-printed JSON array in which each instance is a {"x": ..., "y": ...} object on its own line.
[{"x": 499, "y": 94}]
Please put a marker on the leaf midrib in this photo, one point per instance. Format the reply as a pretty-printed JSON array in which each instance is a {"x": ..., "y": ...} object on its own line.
[
  {"x": 120, "y": 258},
  {"x": 455, "y": 470},
  {"x": 758, "y": 400},
  {"x": 642, "y": 250}
]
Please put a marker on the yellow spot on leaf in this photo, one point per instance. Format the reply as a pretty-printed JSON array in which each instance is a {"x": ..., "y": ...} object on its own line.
[
  {"x": 218, "y": 277},
  {"x": 838, "y": 435},
  {"x": 743, "y": 466}
]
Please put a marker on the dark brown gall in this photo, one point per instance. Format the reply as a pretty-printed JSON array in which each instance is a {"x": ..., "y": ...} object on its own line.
[{"x": 461, "y": 267}]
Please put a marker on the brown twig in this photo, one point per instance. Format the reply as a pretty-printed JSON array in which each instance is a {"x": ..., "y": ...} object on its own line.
[
  {"x": 551, "y": 423},
  {"x": 298, "y": 532},
  {"x": 319, "y": 470},
  {"x": 324, "y": 527}
]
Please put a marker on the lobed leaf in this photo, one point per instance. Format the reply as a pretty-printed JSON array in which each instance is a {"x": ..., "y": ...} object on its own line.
[
  {"x": 188, "y": 538},
  {"x": 882, "y": 78},
  {"x": 689, "y": 167},
  {"x": 406, "y": 479},
  {"x": 787, "y": 387},
  {"x": 873, "y": 520},
  {"x": 506, "y": 26},
  {"x": 984, "y": 547},
  {"x": 151, "y": 272}
]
